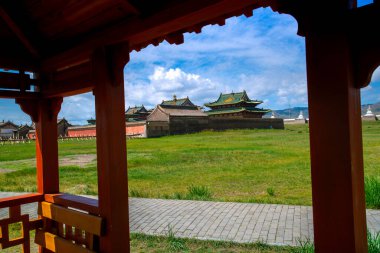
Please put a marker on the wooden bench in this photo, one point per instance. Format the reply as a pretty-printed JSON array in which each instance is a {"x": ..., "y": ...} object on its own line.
[{"x": 67, "y": 230}]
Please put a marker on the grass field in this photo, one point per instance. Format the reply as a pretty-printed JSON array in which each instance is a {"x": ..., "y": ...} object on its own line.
[
  {"x": 271, "y": 166},
  {"x": 170, "y": 244}
]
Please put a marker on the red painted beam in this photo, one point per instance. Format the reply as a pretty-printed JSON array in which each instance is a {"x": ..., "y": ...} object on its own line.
[
  {"x": 21, "y": 200},
  {"x": 180, "y": 17},
  {"x": 14, "y": 81},
  {"x": 19, "y": 33}
]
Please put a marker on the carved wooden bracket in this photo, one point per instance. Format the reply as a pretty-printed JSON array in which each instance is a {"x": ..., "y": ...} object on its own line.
[
  {"x": 53, "y": 105},
  {"x": 30, "y": 107},
  {"x": 366, "y": 62},
  {"x": 365, "y": 43},
  {"x": 113, "y": 59},
  {"x": 312, "y": 15},
  {"x": 33, "y": 106}
]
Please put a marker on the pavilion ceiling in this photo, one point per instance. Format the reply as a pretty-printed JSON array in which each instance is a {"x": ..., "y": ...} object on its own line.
[
  {"x": 59, "y": 36},
  {"x": 59, "y": 33}
]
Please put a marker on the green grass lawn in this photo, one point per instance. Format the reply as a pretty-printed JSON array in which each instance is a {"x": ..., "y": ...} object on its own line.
[
  {"x": 156, "y": 244},
  {"x": 170, "y": 244},
  {"x": 270, "y": 166}
]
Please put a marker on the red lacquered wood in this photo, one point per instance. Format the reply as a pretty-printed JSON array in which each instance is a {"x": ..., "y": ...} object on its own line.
[
  {"x": 78, "y": 202},
  {"x": 47, "y": 145},
  {"x": 24, "y": 240},
  {"x": 19, "y": 33},
  {"x": 13, "y": 81},
  {"x": 336, "y": 146},
  {"x": 36, "y": 223},
  {"x": 14, "y": 211},
  {"x": 108, "y": 64},
  {"x": 20, "y": 200}
]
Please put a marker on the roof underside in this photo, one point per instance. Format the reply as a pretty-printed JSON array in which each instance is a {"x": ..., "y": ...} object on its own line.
[
  {"x": 50, "y": 31},
  {"x": 56, "y": 36}
]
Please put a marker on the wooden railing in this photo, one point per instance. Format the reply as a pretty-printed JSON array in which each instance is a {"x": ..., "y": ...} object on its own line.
[
  {"x": 14, "y": 207},
  {"x": 66, "y": 223}
]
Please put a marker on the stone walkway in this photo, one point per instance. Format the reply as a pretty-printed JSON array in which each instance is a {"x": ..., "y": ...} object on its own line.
[{"x": 238, "y": 222}]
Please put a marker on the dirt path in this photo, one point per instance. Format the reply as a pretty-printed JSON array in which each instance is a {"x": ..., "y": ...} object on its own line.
[
  {"x": 78, "y": 160},
  {"x": 73, "y": 160}
]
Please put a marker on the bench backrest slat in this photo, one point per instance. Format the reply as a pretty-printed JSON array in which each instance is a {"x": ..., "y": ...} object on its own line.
[
  {"x": 56, "y": 244},
  {"x": 89, "y": 223}
]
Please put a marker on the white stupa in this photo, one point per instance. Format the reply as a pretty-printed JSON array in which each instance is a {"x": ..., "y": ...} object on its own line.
[
  {"x": 369, "y": 115},
  {"x": 273, "y": 116},
  {"x": 300, "y": 117},
  {"x": 369, "y": 112}
]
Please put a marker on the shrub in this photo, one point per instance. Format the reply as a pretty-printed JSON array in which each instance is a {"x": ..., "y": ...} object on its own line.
[
  {"x": 304, "y": 247},
  {"x": 199, "y": 193},
  {"x": 178, "y": 195},
  {"x": 137, "y": 194},
  {"x": 175, "y": 244},
  {"x": 372, "y": 192},
  {"x": 270, "y": 191},
  {"x": 373, "y": 242}
]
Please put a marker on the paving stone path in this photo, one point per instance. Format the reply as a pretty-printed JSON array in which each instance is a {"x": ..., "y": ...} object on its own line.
[{"x": 238, "y": 222}]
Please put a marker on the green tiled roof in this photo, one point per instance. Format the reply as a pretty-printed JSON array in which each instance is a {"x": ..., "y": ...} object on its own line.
[
  {"x": 136, "y": 109},
  {"x": 174, "y": 102},
  {"x": 236, "y": 110},
  {"x": 177, "y": 102},
  {"x": 233, "y": 98}
]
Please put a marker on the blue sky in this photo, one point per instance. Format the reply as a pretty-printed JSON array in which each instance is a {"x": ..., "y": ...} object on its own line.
[{"x": 262, "y": 55}]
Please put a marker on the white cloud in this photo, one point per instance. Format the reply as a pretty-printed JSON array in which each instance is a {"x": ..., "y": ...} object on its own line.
[
  {"x": 164, "y": 83},
  {"x": 278, "y": 90},
  {"x": 78, "y": 109},
  {"x": 266, "y": 40},
  {"x": 376, "y": 75},
  {"x": 262, "y": 55}
]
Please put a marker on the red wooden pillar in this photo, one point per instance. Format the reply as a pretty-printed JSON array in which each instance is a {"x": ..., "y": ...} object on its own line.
[
  {"x": 336, "y": 146},
  {"x": 44, "y": 113},
  {"x": 108, "y": 66}
]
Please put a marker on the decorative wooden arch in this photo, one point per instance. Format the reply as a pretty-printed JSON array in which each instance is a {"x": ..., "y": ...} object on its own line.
[{"x": 80, "y": 46}]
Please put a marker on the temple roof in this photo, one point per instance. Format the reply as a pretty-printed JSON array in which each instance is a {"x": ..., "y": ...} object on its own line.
[
  {"x": 24, "y": 127},
  {"x": 163, "y": 113},
  {"x": 136, "y": 109},
  {"x": 178, "y": 102},
  {"x": 8, "y": 123},
  {"x": 183, "y": 112},
  {"x": 236, "y": 110},
  {"x": 233, "y": 98}
]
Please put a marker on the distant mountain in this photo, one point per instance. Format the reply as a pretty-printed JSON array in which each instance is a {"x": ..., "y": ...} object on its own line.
[
  {"x": 289, "y": 113},
  {"x": 295, "y": 111},
  {"x": 375, "y": 108}
]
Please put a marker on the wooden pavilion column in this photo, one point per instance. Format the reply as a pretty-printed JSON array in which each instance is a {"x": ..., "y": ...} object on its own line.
[
  {"x": 44, "y": 113},
  {"x": 336, "y": 145},
  {"x": 108, "y": 67}
]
